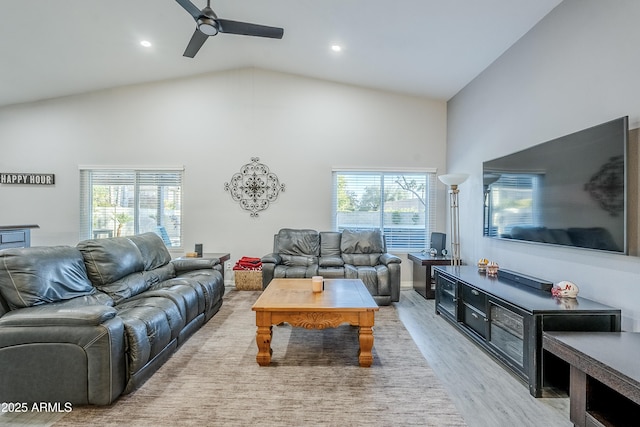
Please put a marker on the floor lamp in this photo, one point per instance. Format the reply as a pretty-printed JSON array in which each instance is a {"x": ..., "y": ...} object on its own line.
[{"x": 453, "y": 180}]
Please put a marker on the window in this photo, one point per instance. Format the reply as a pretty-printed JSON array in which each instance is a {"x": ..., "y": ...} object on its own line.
[
  {"x": 125, "y": 202},
  {"x": 401, "y": 204}
]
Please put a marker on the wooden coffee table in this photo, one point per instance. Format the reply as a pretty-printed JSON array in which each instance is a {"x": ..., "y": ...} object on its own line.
[{"x": 293, "y": 302}]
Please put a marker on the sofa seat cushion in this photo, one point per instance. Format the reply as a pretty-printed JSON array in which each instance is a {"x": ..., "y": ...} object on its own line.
[
  {"x": 198, "y": 291},
  {"x": 189, "y": 301},
  {"x": 299, "y": 260},
  {"x": 299, "y": 272},
  {"x": 136, "y": 283},
  {"x": 368, "y": 260},
  {"x": 331, "y": 272},
  {"x": 108, "y": 260},
  {"x": 375, "y": 278},
  {"x": 40, "y": 275},
  {"x": 210, "y": 282},
  {"x": 331, "y": 261},
  {"x": 150, "y": 324}
]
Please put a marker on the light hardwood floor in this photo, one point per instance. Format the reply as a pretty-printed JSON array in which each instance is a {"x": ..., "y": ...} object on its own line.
[{"x": 486, "y": 394}]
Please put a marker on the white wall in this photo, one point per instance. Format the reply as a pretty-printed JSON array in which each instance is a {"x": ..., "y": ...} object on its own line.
[
  {"x": 577, "y": 68},
  {"x": 214, "y": 124}
]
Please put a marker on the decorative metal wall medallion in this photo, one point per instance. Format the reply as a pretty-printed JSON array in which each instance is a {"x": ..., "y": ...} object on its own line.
[{"x": 254, "y": 187}]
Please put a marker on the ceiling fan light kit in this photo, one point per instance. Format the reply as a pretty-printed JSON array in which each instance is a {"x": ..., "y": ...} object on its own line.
[{"x": 208, "y": 24}]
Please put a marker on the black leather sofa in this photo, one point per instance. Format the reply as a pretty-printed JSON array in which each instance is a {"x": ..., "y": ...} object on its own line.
[
  {"x": 86, "y": 324},
  {"x": 350, "y": 254}
]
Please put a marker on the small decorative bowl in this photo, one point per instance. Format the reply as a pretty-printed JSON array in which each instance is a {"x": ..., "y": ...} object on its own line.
[{"x": 492, "y": 268}]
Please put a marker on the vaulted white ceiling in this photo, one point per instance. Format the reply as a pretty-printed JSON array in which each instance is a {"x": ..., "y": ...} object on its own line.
[{"x": 429, "y": 48}]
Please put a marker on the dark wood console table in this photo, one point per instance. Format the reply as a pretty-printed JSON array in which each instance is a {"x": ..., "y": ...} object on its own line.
[
  {"x": 507, "y": 319},
  {"x": 604, "y": 385},
  {"x": 422, "y": 277},
  {"x": 16, "y": 236}
]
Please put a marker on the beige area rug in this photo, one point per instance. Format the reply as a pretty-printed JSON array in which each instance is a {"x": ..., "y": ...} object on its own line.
[{"x": 314, "y": 379}]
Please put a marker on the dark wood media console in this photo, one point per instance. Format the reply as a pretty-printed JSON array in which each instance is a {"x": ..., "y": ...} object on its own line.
[{"x": 507, "y": 320}]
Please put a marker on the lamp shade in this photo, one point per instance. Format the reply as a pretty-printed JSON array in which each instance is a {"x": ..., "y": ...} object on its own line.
[{"x": 453, "y": 178}]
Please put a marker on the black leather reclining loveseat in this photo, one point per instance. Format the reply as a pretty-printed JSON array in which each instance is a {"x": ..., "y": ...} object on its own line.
[
  {"x": 85, "y": 324},
  {"x": 350, "y": 254}
]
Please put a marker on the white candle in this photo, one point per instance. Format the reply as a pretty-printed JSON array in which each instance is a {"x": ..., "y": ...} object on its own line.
[{"x": 316, "y": 283}]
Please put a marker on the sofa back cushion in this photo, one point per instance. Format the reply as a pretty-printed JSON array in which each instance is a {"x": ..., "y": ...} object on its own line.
[
  {"x": 330, "y": 254},
  {"x": 330, "y": 243},
  {"x": 154, "y": 252},
  {"x": 362, "y": 242},
  {"x": 108, "y": 260},
  {"x": 297, "y": 247},
  {"x": 40, "y": 275},
  {"x": 362, "y": 247}
]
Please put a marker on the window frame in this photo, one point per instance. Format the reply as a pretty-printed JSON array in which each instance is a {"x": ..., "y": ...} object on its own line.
[
  {"x": 140, "y": 177},
  {"x": 430, "y": 202}
]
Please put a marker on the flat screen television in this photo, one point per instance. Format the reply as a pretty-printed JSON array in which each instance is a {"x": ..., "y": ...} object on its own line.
[{"x": 569, "y": 191}]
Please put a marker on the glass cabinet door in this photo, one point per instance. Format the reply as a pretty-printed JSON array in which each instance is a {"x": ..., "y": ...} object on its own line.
[
  {"x": 446, "y": 299},
  {"x": 507, "y": 333}
]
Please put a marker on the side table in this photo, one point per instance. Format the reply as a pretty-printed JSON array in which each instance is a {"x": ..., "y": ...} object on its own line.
[
  {"x": 604, "y": 384},
  {"x": 422, "y": 278}
]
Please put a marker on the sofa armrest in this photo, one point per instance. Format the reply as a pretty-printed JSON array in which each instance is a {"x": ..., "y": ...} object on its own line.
[
  {"x": 387, "y": 259},
  {"x": 272, "y": 258},
  {"x": 82, "y": 363},
  {"x": 189, "y": 264},
  {"x": 58, "y": 315}
]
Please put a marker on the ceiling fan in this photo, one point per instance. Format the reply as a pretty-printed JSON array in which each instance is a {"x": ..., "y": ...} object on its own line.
[{"x": 208, "y": 24}]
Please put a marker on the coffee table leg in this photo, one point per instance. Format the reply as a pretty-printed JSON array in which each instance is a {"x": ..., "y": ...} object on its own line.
[
  {"x": 365, "y": 358},
  {"x": 263, "y": 339}
]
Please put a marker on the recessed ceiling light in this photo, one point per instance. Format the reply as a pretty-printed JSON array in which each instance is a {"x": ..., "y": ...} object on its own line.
[
  {"x": 145, "y": 43},
  {"x": 336, "y": 48}
]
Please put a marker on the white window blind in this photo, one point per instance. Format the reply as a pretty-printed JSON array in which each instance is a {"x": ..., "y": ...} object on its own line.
[
  {"x": 125, "y": 202},
  {"x": 401, "y": 204}
]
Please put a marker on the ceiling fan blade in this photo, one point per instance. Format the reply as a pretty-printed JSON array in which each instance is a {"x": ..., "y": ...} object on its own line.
[
  {"x": 197, "y": 40},
  {"x": 246, "y": 29},
  {"x": 190, "y": 7}
]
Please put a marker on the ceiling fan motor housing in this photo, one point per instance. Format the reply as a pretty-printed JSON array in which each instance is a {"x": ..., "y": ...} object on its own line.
[{"x": 207, "y": 23}]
